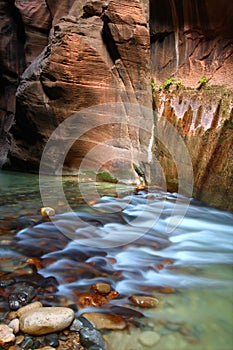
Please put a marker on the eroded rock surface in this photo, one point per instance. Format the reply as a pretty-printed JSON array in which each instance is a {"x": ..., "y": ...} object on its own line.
[
  {"x": 190, "y": 39},
  {"x": 204, "y": 120}
]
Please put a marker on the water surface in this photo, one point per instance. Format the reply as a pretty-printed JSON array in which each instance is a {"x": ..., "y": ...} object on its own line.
[{"x": 141, "y": 250}]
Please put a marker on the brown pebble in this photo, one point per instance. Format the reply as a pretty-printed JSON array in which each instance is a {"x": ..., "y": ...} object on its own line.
[
  {"x": 28, "y": 307},
  {"x": 6, "y": 334},
  {"x": 106, "y": 321},
  {"x": 143, "y": 301},
  {"x": 91, "y": 299},
  {"x": 19, "y": 339},
  {"x": 101, "y": 288},
  {"x": 14, "y": 324}
]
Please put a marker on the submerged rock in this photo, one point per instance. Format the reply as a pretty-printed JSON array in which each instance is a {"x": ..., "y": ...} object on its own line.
[
  {"x": 149, "y": 338},
  {"x": 144, "y": 301},
  {"x": 106, "y": 321}
]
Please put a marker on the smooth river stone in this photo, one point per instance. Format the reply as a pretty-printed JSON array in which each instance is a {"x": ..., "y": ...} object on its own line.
[
  {"x": 106, "y": 321},
  {"x": 6, "y": 334},
  {"x": 46, "y": 320}
]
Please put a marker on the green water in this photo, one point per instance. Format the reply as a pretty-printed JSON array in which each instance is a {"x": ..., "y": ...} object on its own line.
[{"x": 199, "y": 314}]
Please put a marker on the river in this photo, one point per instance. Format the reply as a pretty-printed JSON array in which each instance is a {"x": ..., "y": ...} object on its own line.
[{"x": 157, "y": 243}]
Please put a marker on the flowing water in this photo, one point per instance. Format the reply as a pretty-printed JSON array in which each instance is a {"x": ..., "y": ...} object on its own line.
[{"x": 157, "y": 243}]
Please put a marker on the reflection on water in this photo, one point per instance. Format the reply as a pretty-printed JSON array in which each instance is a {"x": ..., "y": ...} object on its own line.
[{"x": 187, "y": 267}]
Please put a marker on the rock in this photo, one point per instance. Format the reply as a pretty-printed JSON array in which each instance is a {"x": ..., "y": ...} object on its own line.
[
  {"x": 46, "y": 320},
  {"x": 21, "y": 296},
  {"x": 19, "y": 339},
  {"x": 47, "y": 211},
  {"x": 144, "y": 301},
  {"x": 106, "y": 321},
  {"x": 27, "y": 343},
  {"x": 101, "y": 288},
  {"x": 14, "y": 324},
  {"x": 90, "y": 337},
  {"x": 91, "y": 299},
  {"x": 51, "y": 340},
  {"x": 79, "y": 323},
  {"x": 191, "y": 39},
  {"x": 77, "y": 50},
  {"x": 149, "y": 338},
  {"x": 28, "y": 307},
  {"x": 203, "y": 119},
  {"x": 6, "y": 335}
]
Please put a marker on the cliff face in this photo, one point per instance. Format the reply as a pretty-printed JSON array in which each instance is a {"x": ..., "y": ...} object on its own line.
[
  {"x": 79, "y": 54},
  {"x": 190, "y": 39},
  {"x": 204, "y": 120},
  {"x": 58, "y": 58}
]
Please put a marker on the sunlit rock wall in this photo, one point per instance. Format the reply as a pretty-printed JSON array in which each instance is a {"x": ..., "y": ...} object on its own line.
[
  {"x": 76, "y": 57},
  {"x": 204, "y": 119}
]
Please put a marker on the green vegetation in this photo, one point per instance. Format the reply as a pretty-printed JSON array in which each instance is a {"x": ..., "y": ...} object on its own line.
[
  {"x": 105, "y": 176},
  {"x": 178, "y": 84},
  {"x": 202, "y": 82},
  {"x": 168, "y": 83},
  {"x": 153, "y": 85}
]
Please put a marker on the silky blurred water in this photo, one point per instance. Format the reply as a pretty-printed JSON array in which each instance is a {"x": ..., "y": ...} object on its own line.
[{"x": 148, "y": 243}]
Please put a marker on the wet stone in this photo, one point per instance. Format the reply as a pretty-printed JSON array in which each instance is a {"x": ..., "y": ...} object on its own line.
[
  {"x": 143, "y": 301},
  {"x": 91, "y": 337},
  {"x": 19, "y": 339},
  {"x": 51, "y": 340},
  {"x": 149, "y": 338},
  {"x": 21, "y": 296},
  {"x": 101, "y": 288},
  {"x": 76, "y": 325},
  {"x": 6, "y": 334},
  {"x": 28, "y": 307},
  {"x": 106, "y": 321},
  {"x": 27, "y": 343},
  {"x": 14, "y": 324},
  {"x": 85, "y": 322},
  {"x": 6, "y": 283}
]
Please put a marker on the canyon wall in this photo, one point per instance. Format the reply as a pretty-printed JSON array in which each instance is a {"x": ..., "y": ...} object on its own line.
[
  {"x": 78, "y": 54},
  {"x": 192, "y": 62},
  {"x": 190, "y": 39},
  {"x": 57, "y": 59}
]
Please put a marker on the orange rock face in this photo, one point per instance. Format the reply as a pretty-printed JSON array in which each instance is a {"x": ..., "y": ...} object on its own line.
[{"x": 94, "y": 56}]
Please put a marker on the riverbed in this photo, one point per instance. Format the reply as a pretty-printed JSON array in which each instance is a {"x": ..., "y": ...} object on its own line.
[{"x": 152, "y": 243}]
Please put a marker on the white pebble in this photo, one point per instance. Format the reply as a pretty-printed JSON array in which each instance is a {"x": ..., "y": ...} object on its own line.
[
  {"x": 45, "y": 320},
  {"x": 149, "y": 338}
]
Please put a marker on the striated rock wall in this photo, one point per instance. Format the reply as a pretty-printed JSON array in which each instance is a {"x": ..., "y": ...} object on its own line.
[
  {"x": 204, "y": 119},
  {"x": 190, "y": 39},
  {"x": 79, "y": 54}
]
